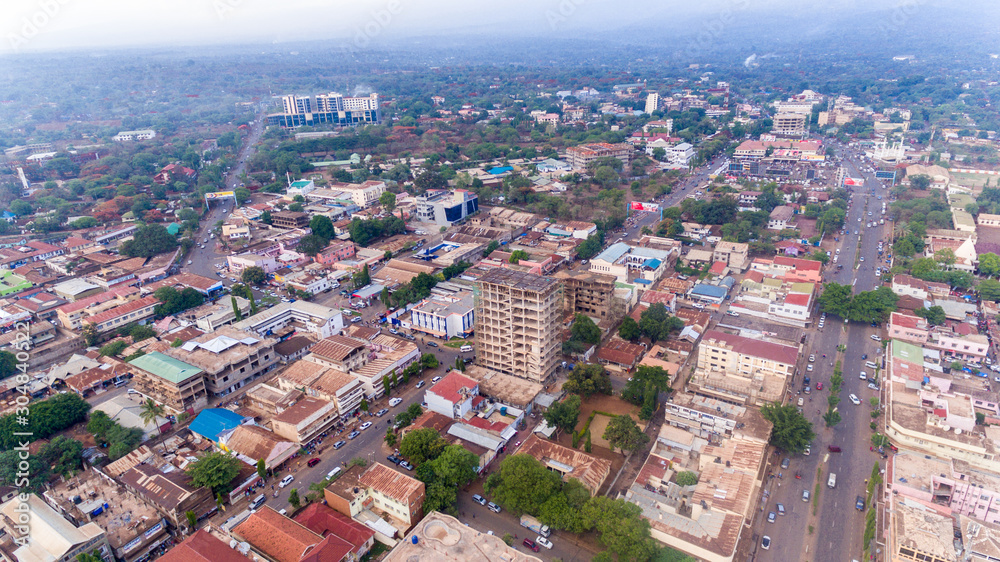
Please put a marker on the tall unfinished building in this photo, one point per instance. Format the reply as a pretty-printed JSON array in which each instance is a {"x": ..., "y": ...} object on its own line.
[
  {"x": 517, "y": 323},
  {"x": 591, "y": 294}
]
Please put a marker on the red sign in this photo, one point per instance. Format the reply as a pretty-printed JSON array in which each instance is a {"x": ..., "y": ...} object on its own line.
[{"x": 637, "y": 206}]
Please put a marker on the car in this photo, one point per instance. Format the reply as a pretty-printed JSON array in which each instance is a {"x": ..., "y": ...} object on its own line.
[
  {"x": 544, "y": 542},
  {"x": 365, "y": 426},
  {"x": 812, "y": 358},
  {"x": 781, "y": 509},
  {"x": 420, "y": 384},
  {"x": 339, "y": 444},
  {"x": 784, "y": 463},
  {"x": 862, "y": 258},
  {"x": 353, "y": 434},
  {"x": 864, "y": 356},
  {"x": 801, "y": 401},
  {"x": 494, "y": 507},
  {"x": 733, "y": 314},
  {"x": 394, "y": 459},
  {"x": 854, "y": 400},
  {"x": 312, "y": 462},
  {"x": 819, "y": 386},
  {"x": 996, "y": 379},
  {"x": 479, "y": 499},
  {"x": 809, "y": 367},
  {"x": 382, "y": 412},
  {"x": 805, "y": 495},
  {"x": 432, "y": 344},
  {"x": 807, "y": 451},
  {"x": 863, "y": 376},
  {"x": 286, "y": 481},
  {"x": 393, "y": 332},
  {"x": 833, "y": 448},
  {"x": 873, "y": 386},
  {"x": 771, "y": 517},
  {"x": 859, "y": 503},
  {"x": 394, "y": 401},
  {"x": 531, "y": 545},
  {"x": 435, "y": 379},
  {"x": 765, "y": 542},
  {"x": 875, "y": 338},
  {"x": 406, "y": 465}
]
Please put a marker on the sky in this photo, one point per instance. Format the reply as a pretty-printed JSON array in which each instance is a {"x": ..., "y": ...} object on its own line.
[{"x": 46, "y": 25}]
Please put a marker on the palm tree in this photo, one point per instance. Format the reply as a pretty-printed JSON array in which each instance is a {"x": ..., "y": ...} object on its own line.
[{"x": 149, "y": 412}]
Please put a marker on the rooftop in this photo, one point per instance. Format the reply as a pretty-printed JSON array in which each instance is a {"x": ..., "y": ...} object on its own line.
[
  {"x": 443, "y": 537},
  {"x": 202, "y": 546},
  {"x": 280, "y": 538},
  {"x": 571, "y": 463},
  {"x": 301, "y": 410},
  {"x": 454, "y": 387},
  {"x": 518, "y": 280},
  {"x": 755, "y": 348},
  {"x": 391, "y": 483},
  {"x": 165, "y": 367}
]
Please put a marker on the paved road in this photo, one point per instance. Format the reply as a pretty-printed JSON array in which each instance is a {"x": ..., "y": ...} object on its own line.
[{"x": 838, "y": 526}]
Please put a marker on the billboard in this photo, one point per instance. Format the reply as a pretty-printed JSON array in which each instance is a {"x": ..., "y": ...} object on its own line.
[
  {"x": 854, "y": 181},
  {"x": 650, "y": 207},
  {"x": 220, "y": 195}
]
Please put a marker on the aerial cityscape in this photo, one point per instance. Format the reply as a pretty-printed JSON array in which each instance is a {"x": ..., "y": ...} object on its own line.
[{"x": 541, "y": 281}]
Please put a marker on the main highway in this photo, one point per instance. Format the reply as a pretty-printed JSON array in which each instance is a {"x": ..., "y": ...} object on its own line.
[{"x": 834, "y": 533}]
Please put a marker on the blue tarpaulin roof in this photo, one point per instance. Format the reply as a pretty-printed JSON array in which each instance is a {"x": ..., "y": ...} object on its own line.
[
  {"x": 653, "y": 263},
  {"x": 212, "y": 422},
  {"x": 501, "y": 169}
]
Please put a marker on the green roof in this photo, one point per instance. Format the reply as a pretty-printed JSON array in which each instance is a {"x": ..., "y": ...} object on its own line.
[
  {"x": 11, "y": 282},
  {"x": 173, "y": 228},
  {"x": 907, "y": 352},
  {"x": 165, "y": 367}
]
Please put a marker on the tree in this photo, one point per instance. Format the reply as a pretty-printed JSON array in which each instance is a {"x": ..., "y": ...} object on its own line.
[
  {"x": 8, "y": 364},
  {"x": 253, "y": 275},
  {"x": 93, "y": 556},
  {"x": 140, "y": 332},
  {"x": 587, "y": 379},
  {"x": 920, "y": 182},
  {"x": 63, "y": 454},
  {"x": 636, "y": 391},
  {"x": 363, "y": 405},
  {"x": 590, "y": 247},
  {"x": 322, "y": 226},
  {"x": 215, "y": 471},
  {"x": 621, "y": 528},
  {"x": 149, "y": 241},
  {"x": 623, "y": 433},
  {"x": 629, "y": 330},
  {"x": 362, "y": 278},
  {"x": 989, "y": 289},
  {"x": 266, "y": 218},
  {"x": 411, "y": 413},
  {"x": 21, "y": 208},
  {"x": 584, "y": 330},
  {"x": 989, "y": 264},
  {"x": 523, "y": 484},
  {"x": 836, "y": 299},
  {"x": 791, "y": 431},
  {"x": 935, "y": 315},
  {"x": 311, "y": 244},
  {"x": 385, "y": 384},
  {"x": 518, "y": 255},
  {"x": 242, "y": 195},
  {"x": 490, "y": 248},
  {"x": 192, "y": 520},
  {"x": 236, "y": 309},
  {"x": 261, "y": 468},
  {"x": 388, "y": 201},
  {"x": 113, "y": 349},
  {"x": 656, "y": 324},
  {"x": 564, "y": 415},
  {"x": 293, "y": 498},
  {"x": 422, "y": 445},
  {"x": 149, "y": 412},
  {"x": 686, "y": 478}
]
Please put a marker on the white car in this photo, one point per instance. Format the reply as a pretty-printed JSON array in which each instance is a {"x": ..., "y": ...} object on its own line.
[
  {"x": 543, "y": 542},
  {"x": 286, "y": 481},
  {"x": 365, "y": 426},
  {"x": 394, "y": 401},
  {"x": 435, "y": 379},
  {"x": 854, "y": 399},
  {"x": 875, "y": 338}
]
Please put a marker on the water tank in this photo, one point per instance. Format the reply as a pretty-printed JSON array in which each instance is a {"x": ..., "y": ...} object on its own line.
[
  {"x": 415, "y": 540},
  {"x": 503, "y": 410}
]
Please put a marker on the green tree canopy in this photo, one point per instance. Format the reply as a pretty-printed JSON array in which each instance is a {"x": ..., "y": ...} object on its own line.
[
  {"x": 253, "y": 275},
  {"x": 523, "y": 484},
  {"x": 629, "y": 330},
  {"x": 149, "y": 241},
  {"x": 621, "y": 528},
  {"x": 322, "y": 226},
  {"x": 584, "y": 330},
  {"x": 565, "y": 414},
  {"x": 215, "y": 471},
  {"x": 791, "y": 431},
  {"x": 623, "y": 433},
  {"x": 635, "y": 390},
  {"x": 421, "y": 445},
  {"x": 935, "y": 315},
  {"x": 587, "y": 379},
  {"x": 989, "y": 264}
]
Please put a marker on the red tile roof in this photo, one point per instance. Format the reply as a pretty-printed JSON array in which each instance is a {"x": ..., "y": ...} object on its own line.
[
  {"x": 122, "y": 310},
  {"x": 717, "y": 268},
  {"x": 203, "y": 547},
  {"x": 809, "y": 265},
  {"x": 755, "y": 348},
  {"x": 99, "y": 298},
  {"x": 324, "y": 520},
  {"x": 395, "y": 485},
  {"x": 452, "y": 384},
  {"x": 797, "y": 299},
  {"x": 905, "y": 320},
  {"x": 280, "y": 538}
]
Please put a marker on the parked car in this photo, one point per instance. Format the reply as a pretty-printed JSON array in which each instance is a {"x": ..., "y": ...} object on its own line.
[
  {"x": 286, "y": 481},
  {"x": 435, "y": 379},
  {"x": 393, "y": 459},
  {"x": 365, "y": 426},
  {"x": 420, "y": 384},
  {"x": 432, "y": 344},
  {"x": 771, "y": 517},
  {"x": 859, "y": 503},
  {"x": 339, "y": 444},
  {"x": 353, "y": 434},
  {"x": 781, "y": 509},
  {"x": 531, "y": 545},
  {"x": 479, "y": 499},
  {"x": 833, "y": 448},
  {"x": 765, "y": 542},
  {"x": 382, "y": 412},
  {"x": 406, "y": 465},
  {"x": 784, "y": 463},
  {"x": 394, "y": 401},
  {"x": 313, "y": 462},
  {"x": 494, "y": 507},
  {"x": 544, "y": 542},
  {"x": 805, "y": 495}
]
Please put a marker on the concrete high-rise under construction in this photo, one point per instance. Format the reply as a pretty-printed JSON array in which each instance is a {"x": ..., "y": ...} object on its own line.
[{"x": 517, "y": 323}]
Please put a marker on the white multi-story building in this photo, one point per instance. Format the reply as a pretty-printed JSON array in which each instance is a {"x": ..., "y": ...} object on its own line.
[
  {"x": 126, "y": 136},
  {"x": 445, "y": 316},
  {"x": 321, "y": 320},
  {"x": 327, "y": 108}
]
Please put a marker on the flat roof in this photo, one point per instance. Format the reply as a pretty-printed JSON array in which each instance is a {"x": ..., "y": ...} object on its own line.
[
  {"x": 518, "y": 279},
  {"x": 166, "y": 367}
]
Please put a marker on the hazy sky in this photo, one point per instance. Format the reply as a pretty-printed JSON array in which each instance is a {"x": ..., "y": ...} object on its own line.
[{"x": 40, "y": 25}]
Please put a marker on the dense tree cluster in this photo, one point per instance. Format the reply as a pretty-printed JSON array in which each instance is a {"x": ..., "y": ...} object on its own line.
[
  {"x": 791, "y": 431},
  {"x": 363, "y": 232},
  {"x": 173, "y": 301},
  {"x": 45, "y": 418},
  {"x": 588, "y": 378},
  {"x": 867, "y": 306},
  {"x": 149, "y": 241},
  {"x": 118, "y": 439}
]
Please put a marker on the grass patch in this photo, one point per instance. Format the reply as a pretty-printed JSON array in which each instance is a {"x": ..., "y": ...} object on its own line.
[
  {"x": 811, "y": 529},
  {"x": 377, "y": 550}
]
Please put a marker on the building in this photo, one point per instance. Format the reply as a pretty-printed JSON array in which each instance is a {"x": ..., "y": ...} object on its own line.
[
  {"x": 319, "y": 320},
  {"x": 780, "y": 217},
  {"x": 913, "y": 329},
  {"x": 47, "y": 536},
  {"x": 452, "y": 396},
  {"x": 377, "y": 488},
  {"x": 742, "y": 370},
  {"x": 240, "y": 262},
  {"x": 171, "y": 493},
  {"x": 228, "y": 358},
  {"x": 364, "y": 195},
  {"x": 257, "y": 443},
  {"x": 632, "y": 263},
  {"x": 324, "y": 382},
  {"x": 305, "y": 419},
  {"x": 790, "y": 124},
  {"x": 290, "y": 219},
  {"x": 75, "y": 289},
  {"x": 733, "y": 254},
  {"x": 569, "y": 463},
  {"x": 169, "y": 381},
  {"x": 445, "y": 208},
  {"x": 332, "y": 108},
  {"x": 652, "y": 102},
  {"x": 335, "y": 252},
  {"x": 236, "y": 231},
  {"x": 202, "y": 546},
  {"x": 517, "y": 323},
  {"x": 126, "y": 136},
  {"x": 213, "y": 315},
  {"x": 680, "y": 154},
  {"x": 445, "y": 316},
  {"x": 443, "y": 537},
  {"x": 580, "y": 156},
  {"x": 591, "y": 294}
]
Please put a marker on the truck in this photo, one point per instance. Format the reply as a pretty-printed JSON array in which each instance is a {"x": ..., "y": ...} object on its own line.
[
  {"x": 832, "y": 480},
  {"x": 535, "y": 525}
]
